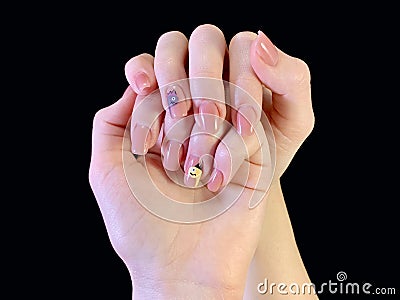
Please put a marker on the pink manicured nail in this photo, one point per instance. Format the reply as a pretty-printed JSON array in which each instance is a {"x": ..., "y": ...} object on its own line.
[
  {"x": 177, "y": 107},
  {"x": 172, "y": 155},
  {"x": 190, "y": 181},
  {"x": 142, "y": 82},
  {"x": 208, "y": 117},
  {"x": 266, "y": 49},
  {"x": 246, "y": 118},
  {"x": 191, "y": 161},
  {"x": 178, "y": 110},
  {"x": 141, "y": 137},
  {"x": 215, "y": 181},
  {"x": 192, "y": 178}
]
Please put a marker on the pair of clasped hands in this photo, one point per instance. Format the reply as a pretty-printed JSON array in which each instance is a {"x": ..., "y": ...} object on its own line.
[{"x": 208, "y": 259}]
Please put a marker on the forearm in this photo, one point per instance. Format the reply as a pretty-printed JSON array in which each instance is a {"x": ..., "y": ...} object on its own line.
[{"x": 277, "y": 259}]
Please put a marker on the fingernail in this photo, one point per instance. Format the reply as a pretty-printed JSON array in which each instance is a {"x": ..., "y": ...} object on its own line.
[
  {"x": 142, "y": 82},
  {"x": 191, "y": 162},
  {"x": 177, "y": 107},
  {"x": 141, "y": 137},
  {"x": 172, "y": 155},
  {"x": 208, "y": 117},
  {"x": 266, "y": 50},
  {"x": 193, "y": 176},
  {"x": 215, "y": 181},
  {"x": 245, "y": 120}
]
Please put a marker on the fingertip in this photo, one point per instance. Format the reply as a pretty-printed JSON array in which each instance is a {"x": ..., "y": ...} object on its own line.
[
  {"x": 208, "y": 117},
  {"x": 265, "y": 50},
  {"x": 141, "y": 83},
  {"x": 280, "y": 72},
  {"x": 172, "y": 155},
  {"x": 207, "y": 29},
  {"x": 139, "y": 72},
  {"x": 141, "y": 139},
  {"x": 223, "y": 163},
  {"x": 216, "y": 180},
  {"x": 246, "y": 118}
]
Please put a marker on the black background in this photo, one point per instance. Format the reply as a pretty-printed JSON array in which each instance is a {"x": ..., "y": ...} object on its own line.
[{"x": 340, "y": 188}]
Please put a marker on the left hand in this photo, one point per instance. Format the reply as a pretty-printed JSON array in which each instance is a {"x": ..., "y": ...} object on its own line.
[{"x": 212, "y": 256}]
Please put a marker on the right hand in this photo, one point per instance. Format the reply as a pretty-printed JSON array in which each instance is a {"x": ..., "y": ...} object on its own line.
[{"x": 278, "y": 84}]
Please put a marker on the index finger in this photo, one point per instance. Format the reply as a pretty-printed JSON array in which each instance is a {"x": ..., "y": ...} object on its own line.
[{"x": 246, "y": 112}]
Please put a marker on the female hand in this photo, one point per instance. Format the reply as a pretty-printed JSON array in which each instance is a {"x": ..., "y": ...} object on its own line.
[
  {"x": 166, "y": 258},
  {"x": 212, "y": 257}
]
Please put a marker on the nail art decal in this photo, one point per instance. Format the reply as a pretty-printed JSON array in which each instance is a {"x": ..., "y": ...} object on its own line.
[
  {"x": 195, "y": 172},
  {"x": 175, "y": 102},
  {"x": 172, "y": 97}
]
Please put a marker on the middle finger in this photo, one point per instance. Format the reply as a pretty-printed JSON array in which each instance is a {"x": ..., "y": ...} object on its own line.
[{"x": 207, "y": 48}]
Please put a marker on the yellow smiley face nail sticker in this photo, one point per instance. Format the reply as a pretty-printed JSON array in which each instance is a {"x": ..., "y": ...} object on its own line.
[{"x": 195, "y": 172}]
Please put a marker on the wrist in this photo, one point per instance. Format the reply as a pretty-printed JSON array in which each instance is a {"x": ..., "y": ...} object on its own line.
[
  {"x": 181, "y": 289},
  {"x": 187, "y": 280}
]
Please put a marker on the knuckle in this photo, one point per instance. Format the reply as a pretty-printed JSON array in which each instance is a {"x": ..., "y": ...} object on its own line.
[
  {"x": 309, "y": 125},
  {"x": 92, "y": 175},
  {"x": 242, "y": 37},
  {"x": 246, "y": 79},
  {"x": 171, "y": 38},
  {"x": 302, "y": 76},
  {"x": 167, "y": 64},
  {"x": 302, "y": 128},
  {"x": 129, "y": 63},
  {"x": 98, "y": 118},
  {"x": 206, "y": 28},
  {"x": 137, "y": 61},
  {"x": 206, "y": 71}
]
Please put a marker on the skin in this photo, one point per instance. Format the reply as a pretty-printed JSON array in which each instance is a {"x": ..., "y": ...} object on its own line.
[{"x": 226, "y": 256}]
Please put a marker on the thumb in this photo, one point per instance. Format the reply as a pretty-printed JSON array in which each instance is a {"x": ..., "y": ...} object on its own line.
[
  {"x": 108, "y": 133},
  {"x": 288, "y": 78},
  {"x": 109, "y": 125}
]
